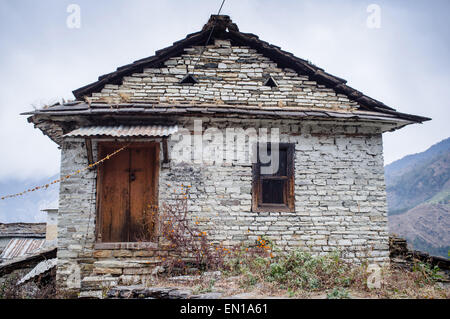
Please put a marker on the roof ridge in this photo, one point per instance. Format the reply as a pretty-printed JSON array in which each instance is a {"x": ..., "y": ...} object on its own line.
[
  {"x": 221, "y": 23},
  {"x": 221, "y": 26}
]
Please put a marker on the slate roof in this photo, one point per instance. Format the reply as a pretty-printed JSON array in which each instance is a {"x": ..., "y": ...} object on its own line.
[
  {"x": 82, "y": 108},
  {"x": 221, "y": 27},
  {"x": 21, "y": 230},
  {"x": 218, "y": 27}
]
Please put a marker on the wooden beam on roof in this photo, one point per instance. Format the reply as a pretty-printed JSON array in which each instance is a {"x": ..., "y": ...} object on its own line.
[
  {"x": 165, "y": 150},
  {"x": 90, "y": 156}
]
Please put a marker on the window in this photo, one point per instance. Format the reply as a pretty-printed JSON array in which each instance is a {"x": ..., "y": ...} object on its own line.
[
  {"x": 273, "y": 179},
  {"x": 189, "y": 79},
  {"x": 269, "y": 81}
]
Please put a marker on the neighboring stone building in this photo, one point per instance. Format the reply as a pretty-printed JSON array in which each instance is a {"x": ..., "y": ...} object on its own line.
[
  {"x": 20, "y": 239},
  {"x": 51, "y": 230},
  {"x": 327, "y": 194},
  {"x": 24, "y": 246},
  {"x": 21, "y": 232}
]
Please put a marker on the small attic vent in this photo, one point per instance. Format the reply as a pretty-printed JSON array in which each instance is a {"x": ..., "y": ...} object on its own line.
[
  {"x": 189, "y": 79},
  {"x": 270, "y": 82}
]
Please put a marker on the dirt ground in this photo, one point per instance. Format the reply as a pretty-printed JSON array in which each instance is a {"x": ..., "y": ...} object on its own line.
[{"x": 233, "y": 287}]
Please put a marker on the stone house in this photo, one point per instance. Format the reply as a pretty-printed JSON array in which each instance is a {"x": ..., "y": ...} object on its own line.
[
  {"x": 20, "y": 237},
  {"x": 328, "y": 192}
]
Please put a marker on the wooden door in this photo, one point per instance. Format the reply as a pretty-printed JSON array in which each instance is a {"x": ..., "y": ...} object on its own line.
[{"x": 127, "y": 196}]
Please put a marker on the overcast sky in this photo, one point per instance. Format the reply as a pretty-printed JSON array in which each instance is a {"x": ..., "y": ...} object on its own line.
[{"x": 404, "y": 63}]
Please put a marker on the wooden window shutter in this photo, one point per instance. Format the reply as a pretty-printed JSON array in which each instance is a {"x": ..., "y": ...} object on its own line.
[{"x": 275, "y": 192}]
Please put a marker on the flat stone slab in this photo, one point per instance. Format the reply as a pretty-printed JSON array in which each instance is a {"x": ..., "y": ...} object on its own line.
[
  {"x": 140, "y": 292},
  {"x": 184, "y": 279},
  {"x": 208, "y": 295}
]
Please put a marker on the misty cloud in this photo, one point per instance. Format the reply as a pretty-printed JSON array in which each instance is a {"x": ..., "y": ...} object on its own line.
[{"x": 404, "y": 63}]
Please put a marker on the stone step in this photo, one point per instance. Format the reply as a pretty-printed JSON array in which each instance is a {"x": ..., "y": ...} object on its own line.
[
  {"x": 140, "y": 292},
  {"x": 96, "y": 282},
  {"x": 127, "y": 263}
]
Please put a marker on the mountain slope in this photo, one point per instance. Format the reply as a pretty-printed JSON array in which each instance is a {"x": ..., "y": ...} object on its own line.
[
  {"x": 418, "y": 194},
  {"x": 410, "y": 162},
  {"x": 426, "y": 224},
  {"x": 416, "y": 178}
]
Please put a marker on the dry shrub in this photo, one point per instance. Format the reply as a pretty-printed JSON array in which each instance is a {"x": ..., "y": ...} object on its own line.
[
  {"x": 146, "y": 230},
  {"x": 300, "y": 272},
  {"x": 420, "y": 282},
  {"x": 191, "y": 243},
  {"x": 43, "y": 287},
  {"x": 186, "y": 238},
  {"x": 297, "y": 272},
  {"x": 9, "y": 289}
]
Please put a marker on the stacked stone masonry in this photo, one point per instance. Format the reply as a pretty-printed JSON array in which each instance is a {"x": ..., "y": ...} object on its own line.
[
  {"x": 226, "y": 74},
  {"x": 339, "y": 202}
]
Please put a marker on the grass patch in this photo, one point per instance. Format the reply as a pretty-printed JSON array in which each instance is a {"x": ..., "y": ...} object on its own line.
[{"x": 300, "y": 273}]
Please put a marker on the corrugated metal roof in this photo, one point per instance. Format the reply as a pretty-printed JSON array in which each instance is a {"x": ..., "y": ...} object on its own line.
[
  {"x": 40, "y": 268},
  {"x": 124, "y": 131},
  {"x": 19, "y": 247}
]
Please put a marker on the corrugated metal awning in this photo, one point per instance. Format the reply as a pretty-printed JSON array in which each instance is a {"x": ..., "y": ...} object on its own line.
[
  {"x": 40, "y": 268},
  {"x": 124, "y": 131},
  {"x": 19, "y": 247}
]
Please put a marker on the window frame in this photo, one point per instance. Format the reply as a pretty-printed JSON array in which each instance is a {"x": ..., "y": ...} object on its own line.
[{"x": 288, "y": 204}]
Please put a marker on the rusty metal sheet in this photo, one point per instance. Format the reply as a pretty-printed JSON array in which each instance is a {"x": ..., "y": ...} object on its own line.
[
  {"x": 124, "y": 131},
  {"x": 19, "y": 247}
]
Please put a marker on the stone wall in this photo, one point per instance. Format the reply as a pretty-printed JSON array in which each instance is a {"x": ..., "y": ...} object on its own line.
[
  {"x": 226, "y": 74},
  {"x": 339, "y": 203},
  {"x": 83, "y": 264},
  {"x": 76, "y": 218},
  {"x": 339, "y": 191}
]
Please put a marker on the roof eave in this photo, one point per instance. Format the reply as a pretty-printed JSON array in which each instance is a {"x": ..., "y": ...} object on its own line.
[
  {"x": 159, "y": 57},
  {"x": 222, "y": 27}
]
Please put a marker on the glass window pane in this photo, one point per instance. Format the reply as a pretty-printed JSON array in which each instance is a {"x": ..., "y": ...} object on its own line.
[
  {"x": 282, "y": 169},
  {"x": 273, "y": 191},
  {"x": 279, "y": 169}
]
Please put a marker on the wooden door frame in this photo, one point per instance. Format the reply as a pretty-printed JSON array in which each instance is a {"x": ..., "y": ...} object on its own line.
[{"x": 99, "y": 178}]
